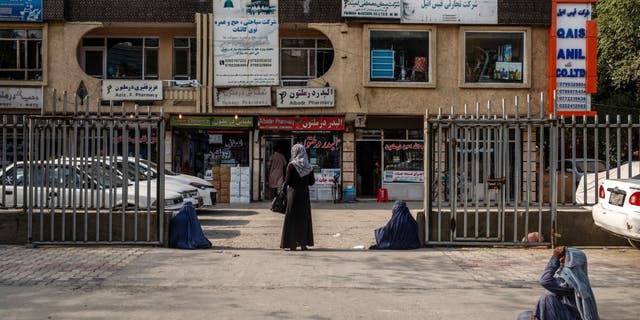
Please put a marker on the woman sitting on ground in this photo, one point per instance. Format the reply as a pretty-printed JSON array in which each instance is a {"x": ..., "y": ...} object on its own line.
[{"x": 401, "y": 232}]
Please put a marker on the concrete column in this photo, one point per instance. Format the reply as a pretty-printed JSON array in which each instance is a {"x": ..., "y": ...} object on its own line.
[{"x": 348, "y": 157}]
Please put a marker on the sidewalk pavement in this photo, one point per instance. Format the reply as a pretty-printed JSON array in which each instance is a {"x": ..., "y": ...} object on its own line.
[{"x": 246, "y": 276}]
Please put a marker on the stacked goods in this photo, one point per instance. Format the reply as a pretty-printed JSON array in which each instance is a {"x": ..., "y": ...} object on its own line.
[
  {"x": 240, "y": 185},
  {"x": 225, "y": 179},
  {"x": 215, "y": 176}
]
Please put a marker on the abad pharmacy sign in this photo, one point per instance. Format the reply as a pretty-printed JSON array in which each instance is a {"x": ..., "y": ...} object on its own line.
[{"x": 572, "y": 57}]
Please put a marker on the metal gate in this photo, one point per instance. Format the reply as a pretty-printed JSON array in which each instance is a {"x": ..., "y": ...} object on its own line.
[
  {"x": 83, "y": 182},
  {"x": 485, "y": 175}
]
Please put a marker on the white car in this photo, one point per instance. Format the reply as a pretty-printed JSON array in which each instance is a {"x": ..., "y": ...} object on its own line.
[
  {"x": 618, "y": 208},
  {"x": 189, "y": 193},
  {"x": 59, "y": 175},
  {"x": 205, "y": 189},
  {"x": 588, "y": 181}
]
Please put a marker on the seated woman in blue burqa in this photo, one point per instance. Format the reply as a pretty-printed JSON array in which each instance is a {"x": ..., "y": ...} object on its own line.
[
  {"x": 401, "y": 232},
  {"x": 570, "y": 294},
  {"x": 185, "y": 231}
]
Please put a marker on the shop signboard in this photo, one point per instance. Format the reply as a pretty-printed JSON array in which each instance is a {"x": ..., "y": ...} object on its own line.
[
  {"x": 306, "y": 97},
  {"x": 245, "y": 36},
  {"x": 389, "y": 9},
  {"x": 129, "y": 90},
  {"x": 242, "y": 97},
  {"x": 450, "y": 11},
  {"x": 391, "y": 176},
  {"x": 327, "y": 176},
  {"x": 573, "y": 44},
  {"x": 21, "y": 98},
  {"x": 211, "y": 122},
  {"x": 21, "y": 10},
  {"x": 301, "y": 123}
]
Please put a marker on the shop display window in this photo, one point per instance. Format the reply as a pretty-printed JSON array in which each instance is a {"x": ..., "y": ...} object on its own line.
[
  {"x": 403, "y": 155},
  {"x": 21, "y": 54},
  {"x": 399, "y": 56},
  {"x": 304, "y": 59},
  {"x": 197, "y": 151},
  {"x": 184, "y": 58},
  {"x": 324, "y": 150},
  {"x": 120, "y": 58},
  {"x": 494, "y": 57}
]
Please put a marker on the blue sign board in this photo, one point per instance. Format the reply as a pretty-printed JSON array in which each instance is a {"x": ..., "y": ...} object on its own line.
[{"x": 21, "y": 10}]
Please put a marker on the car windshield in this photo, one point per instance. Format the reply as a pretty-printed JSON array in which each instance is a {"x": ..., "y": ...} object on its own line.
[
  {"x": 592, "y": 166},
  {"x": 104, "y": 175},
  {"x": 132, "y": 172},
  {"x": 154, "y": 167}
]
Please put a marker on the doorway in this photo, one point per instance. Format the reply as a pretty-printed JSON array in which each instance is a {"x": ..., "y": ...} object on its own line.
[
  {"x": 283, "y": 144},
  {"x": 369, "y": 168}
]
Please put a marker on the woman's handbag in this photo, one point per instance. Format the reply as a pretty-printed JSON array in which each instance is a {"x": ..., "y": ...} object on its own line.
[{"x": 279, "y": 203}]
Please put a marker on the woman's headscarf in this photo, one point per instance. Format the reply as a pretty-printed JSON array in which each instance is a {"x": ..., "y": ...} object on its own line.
[
  {"x": 300, "y": 160},
  {"x": 574, "y": 275}
]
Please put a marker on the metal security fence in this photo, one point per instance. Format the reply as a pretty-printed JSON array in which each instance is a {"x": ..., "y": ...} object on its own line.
[
  {"x": 79, "y": 175},
  {"x": 498, "y": 175}
]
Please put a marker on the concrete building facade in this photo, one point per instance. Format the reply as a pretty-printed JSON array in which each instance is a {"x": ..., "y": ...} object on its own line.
[{"x": 381, "y": 75}]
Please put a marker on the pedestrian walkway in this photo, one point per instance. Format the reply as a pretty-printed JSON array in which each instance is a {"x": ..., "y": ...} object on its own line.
[{"x": 246, "y": 276}]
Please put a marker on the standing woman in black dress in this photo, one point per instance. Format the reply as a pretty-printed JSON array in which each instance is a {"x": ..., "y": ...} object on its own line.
[{"x": 297, "y": 230}]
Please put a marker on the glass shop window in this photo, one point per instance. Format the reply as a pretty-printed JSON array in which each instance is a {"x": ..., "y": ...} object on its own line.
[
  {"x": 399, "y": 56},
  {"x": 324, "y": 149},
  {"x": 494, "y": 57},
  {"x": 403, "y": 156}
]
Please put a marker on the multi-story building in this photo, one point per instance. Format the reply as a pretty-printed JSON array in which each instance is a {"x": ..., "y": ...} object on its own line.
[{"x": 352, "y": 79}]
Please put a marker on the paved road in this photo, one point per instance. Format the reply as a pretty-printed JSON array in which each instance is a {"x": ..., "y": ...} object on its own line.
[{"x": 246, "y": 276}]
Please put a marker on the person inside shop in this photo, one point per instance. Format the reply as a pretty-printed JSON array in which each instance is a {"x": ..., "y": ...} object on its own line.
[
  {"x": 401, "y": 232},
  {"x": 376, "y": 177},
  {"x": 277, "y": 164},
  {"x": 297, "y": 229},
  {"x": 186, "y": 168},
  {"x": 570, "y": 297}
]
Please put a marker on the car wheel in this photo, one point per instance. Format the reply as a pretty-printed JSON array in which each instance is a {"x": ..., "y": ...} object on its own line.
[{"x": 634, "y": 243}]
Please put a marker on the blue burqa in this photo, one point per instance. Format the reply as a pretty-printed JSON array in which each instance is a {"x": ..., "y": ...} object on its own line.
[
  {"x": 401, "y": 232},
  {"x": 185, "y": 231}
]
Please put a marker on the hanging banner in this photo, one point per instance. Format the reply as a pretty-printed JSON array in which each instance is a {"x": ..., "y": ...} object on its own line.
[
  {"x": 123, "y": 90},
  {"x": 242, "y": 97},
  {"x": 573, "y": 57},
  {"x": 450, "y": 11},
  {"x": 403, "y": 176},
  {"x": 245, "y": 36},
  {"x": 301, "y": 123},
  {"x": 306, "y": 97},
  {"x": 21, "y": 10},
  {"x": 21, "y": 98},
  {"x": 389, "y": 9}
]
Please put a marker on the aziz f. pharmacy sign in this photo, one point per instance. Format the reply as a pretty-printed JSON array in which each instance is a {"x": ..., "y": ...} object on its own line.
[{"x": 572, "y": 57}]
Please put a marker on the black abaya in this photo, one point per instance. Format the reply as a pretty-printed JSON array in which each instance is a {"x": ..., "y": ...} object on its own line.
[{"x": 297, "y": 229}]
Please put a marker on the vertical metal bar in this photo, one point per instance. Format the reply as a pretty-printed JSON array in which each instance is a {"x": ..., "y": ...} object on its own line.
[
  {"x": 85, "y": 159},
  {"x": 74, "y": 169},
  {"x": 30, "y": 142},
  {"x": 529, "y": 166},
  {"x": 4, "y": 157},
  {"x": 112, "y": 152},
  {"x": 149, "y": 171},
  {"x": 562, "y": 162},
  {"x": 476, "y": 173},
  {"x": 486, "y": 172},
  {"x": 136, "y": 144},
  {"x": 541, "y": 172},
  {"x": 99, "y": 162},
  {"x": 15, "y": 159},
  {"x": 629, "y": 147},
  {"x": 517, "y": 170},
  {"x": 67, "y": 165},
  {"x": 464, "y": 181},
  {"x": 596, "y": 126},
  {"x": 440, "y": 182},
  {"x": 160, "y": 151},
  {"x": 50, "y": 177},
  {"x": 125, "y": 161},
  {"x": 607, "y": 134},
  {"x": 428, "y": 166},
  {"x": 618, "y": 145},
  {"x": 574, "y": 169}
]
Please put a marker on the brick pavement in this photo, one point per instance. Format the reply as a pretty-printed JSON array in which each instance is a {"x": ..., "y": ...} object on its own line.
[{"x": 63, "y": 266}]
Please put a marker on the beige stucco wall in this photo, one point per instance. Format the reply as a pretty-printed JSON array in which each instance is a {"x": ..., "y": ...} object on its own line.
[{"x": 65, "y": 72}]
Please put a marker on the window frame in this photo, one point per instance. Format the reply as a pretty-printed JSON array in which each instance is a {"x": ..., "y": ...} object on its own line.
[
  {"x": 190, "y": 41},
  {"x": 29, "y": 26},
  {"x": 105, "y": 57},
  {"x": 315, "y": 49},
  {"x": 526, "y": 63},
  {"x": 431, "y": 66}
]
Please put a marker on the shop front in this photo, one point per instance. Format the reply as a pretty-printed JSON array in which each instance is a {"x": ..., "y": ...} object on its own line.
[
  {"x": 391, "y": 158},
  {"x": 321, "y": 136},
  {"x": 216, "y": 148}
]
